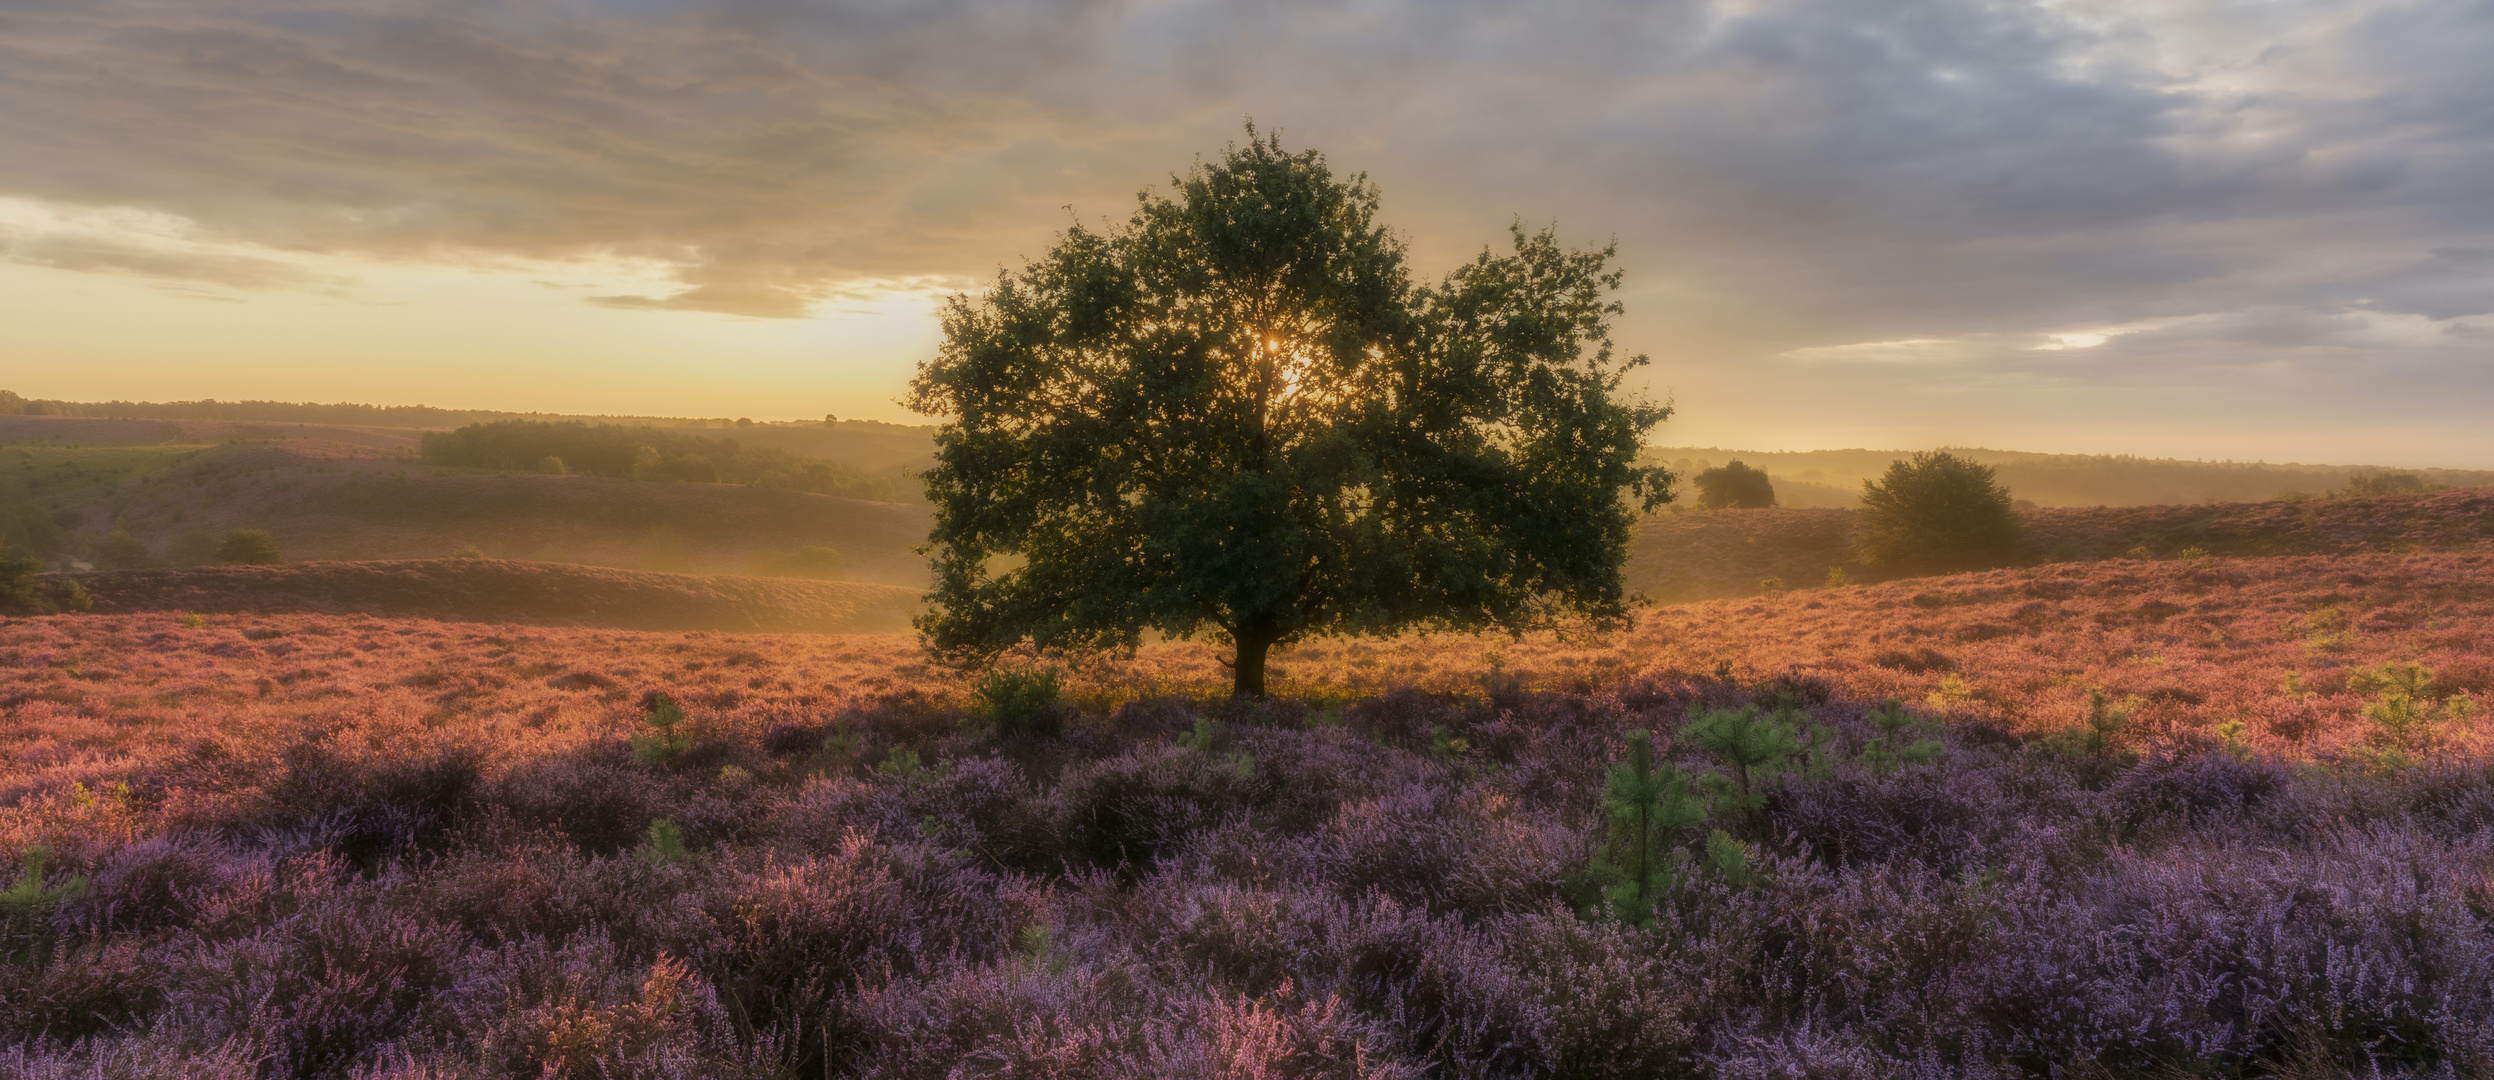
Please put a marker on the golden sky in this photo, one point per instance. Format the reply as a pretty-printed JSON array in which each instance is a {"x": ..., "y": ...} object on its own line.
[{"x": 2196, "y": 229}]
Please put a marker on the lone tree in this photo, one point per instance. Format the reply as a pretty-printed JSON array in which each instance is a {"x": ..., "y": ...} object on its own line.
[
  {"x": 1734, "y": 487},
  {"x": 1238, "y": 415},
  {"x": 1937, "y": 514}
]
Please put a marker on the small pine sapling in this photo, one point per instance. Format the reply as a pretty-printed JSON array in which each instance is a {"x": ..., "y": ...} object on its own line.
[
  {"x": 665, "y": 740},
  {"x": 1021, "y": 703},
  {"x": 1645, "y": 805},
  {"x": 2098, "y": 738},
  {"x": 25, "y": 906},
  {"x": 2408, "y": 719},
  {"x": 1729, "y": 859},
  {"x": 663, "y": 843},
  {"x": 902, "y": 764},
  {"x": 1037, "y": 950},
  {"x": 1901, "y": 740},
  {"x": 1202, "y": 738},
  {"x": 1755, "y": 747}
]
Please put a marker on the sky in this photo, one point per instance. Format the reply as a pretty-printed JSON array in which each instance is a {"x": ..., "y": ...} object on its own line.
[{"x": 2245, "y": 230}]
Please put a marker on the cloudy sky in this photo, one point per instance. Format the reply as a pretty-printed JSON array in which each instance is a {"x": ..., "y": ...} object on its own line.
[{"x": 2246, "y": 230}]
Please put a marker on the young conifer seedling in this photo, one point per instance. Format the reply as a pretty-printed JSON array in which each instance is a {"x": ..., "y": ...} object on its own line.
[
  {"x": 1898, "y": 743},
  {"x": 663, "y": 742},
  {"x": 1645, "y": 806}
]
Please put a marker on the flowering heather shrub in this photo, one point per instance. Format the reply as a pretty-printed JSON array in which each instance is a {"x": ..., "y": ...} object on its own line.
[{"x": 310, "y": 846}]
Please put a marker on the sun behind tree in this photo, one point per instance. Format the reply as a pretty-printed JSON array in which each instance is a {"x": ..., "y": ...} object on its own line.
[{"x": 1238, "y": 415}]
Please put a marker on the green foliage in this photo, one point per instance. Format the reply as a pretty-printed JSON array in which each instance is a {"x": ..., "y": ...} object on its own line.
[
  {"x": 1755, "y": 746},
  {"x": 1020, "y": 702},
  {"x": 1937, "y": 513},
  {"x": 121, "y": 551},
  {"x": 643, "y": 453},
  {"x": 1902, "y": 740},
  {"x": 1645, "y": 806},
  {"x": 663, "y": 843},
  {"x": 22, "y": 592},
  {"x": 2408, "y": 718},
  {"x": 467, "y": 551},
  {"x": 902, "y": 764},
  {"x": 25, "y": 905},
  {"x": 1238, "y": 415},
  {"x": 1205, "y": 735},
  {"x": 2098, "y": 738},
  {"x": 1036, "y": 948},
  {"x": 248, "y": 547},
  {"x": 2386, "y": 483},
  {"x": 1734, "y": 487},
  {"x": 1729, "y": 859},
  {"x": 664, "y": 740}
]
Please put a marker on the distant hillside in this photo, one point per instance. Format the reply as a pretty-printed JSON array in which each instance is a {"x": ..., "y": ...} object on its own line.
[
  {"x": 502, "y": 591},
  {"x": 349, "y": 414},
  {"x": 1703, "y": 555},
  {"x": 337, "y": 500},
  {"x": 1833, "y": 478}
]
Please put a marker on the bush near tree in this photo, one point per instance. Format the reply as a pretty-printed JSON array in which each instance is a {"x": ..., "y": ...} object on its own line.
[
  {"x": 248, "y": 547},
  {"x": 1239, "y": 415},
  {"x": 1937, "y": 514},
  {"x": 1734, "y": 487}
]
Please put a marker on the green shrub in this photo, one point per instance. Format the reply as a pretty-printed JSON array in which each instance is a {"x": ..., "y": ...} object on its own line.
[
  {"x": 663, "y": 843},
  {"x": 1734, "y": 487},
  {"x": 664, "y": 741},
  {"x": 1936, "y": 514},
  {"x": 1901, "y": 740},
  {"x": 121, "y": 551},
  {"x": 1755, "y": 746},
  {"x": 2386, "y": 483},
  {"x": 23, "y": 593},
  {"x": 2408, "y": 717},
  {"x": 1645, "y": 806},
  {"x": 248, "y": 547},
  {"x": 25, "y": 906},
  {"x": 1020, "y": 702}
]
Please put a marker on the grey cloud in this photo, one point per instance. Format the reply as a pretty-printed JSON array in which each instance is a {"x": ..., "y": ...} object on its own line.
[{"x": 1781, "y": 175}]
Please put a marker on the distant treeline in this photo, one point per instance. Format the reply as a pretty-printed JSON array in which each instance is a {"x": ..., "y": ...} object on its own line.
[
  {"x": 2095, "y": 479},
  {"x": 341, "y": 413},
  {"x": 646, "y": 453}
]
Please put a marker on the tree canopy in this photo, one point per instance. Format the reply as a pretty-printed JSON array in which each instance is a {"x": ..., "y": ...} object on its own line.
[
  {"x": 1734, "y": 487},
  {"x": 1937, "y": 513},
  {"x": 1238, "y": 415}
]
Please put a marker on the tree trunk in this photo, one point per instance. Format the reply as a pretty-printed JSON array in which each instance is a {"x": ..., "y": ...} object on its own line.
[{"x": 1247, "y": 672}]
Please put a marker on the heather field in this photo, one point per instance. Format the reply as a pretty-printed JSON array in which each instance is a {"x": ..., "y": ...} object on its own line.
[{"x": 2191, "y": 817}]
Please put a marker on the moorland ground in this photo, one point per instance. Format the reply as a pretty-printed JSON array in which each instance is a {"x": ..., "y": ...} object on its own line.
[
  {"x": 2191, "y": 814},
  {"x": 2198, "y": 789}
]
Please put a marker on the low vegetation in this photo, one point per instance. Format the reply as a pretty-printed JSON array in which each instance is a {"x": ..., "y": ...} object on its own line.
[{"x": 328, "y": 846}]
